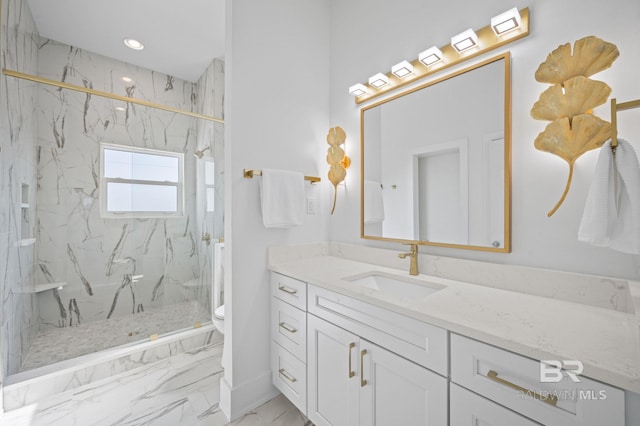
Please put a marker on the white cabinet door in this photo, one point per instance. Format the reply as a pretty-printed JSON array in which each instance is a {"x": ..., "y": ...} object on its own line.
[
  {"x": 469, "y": 409},
  {"x": 395, "y": 391},
  {"x": 333, "y": 375}
]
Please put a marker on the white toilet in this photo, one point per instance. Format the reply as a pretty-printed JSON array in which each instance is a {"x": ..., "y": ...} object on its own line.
[{"x": 217, "y": 295}]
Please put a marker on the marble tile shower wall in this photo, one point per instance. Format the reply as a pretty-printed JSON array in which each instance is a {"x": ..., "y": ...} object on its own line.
[
  {"x": 18, "y": 130},
  {"x": 97, "y": 256}
]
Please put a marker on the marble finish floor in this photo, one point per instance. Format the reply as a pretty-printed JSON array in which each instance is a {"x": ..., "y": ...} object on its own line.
[
  {"x": 183, "y": 390},
  {"x": 61, "y": 344}
]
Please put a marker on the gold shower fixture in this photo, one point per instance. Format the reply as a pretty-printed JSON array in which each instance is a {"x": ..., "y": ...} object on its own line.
[{"x": 200, "y": 153}]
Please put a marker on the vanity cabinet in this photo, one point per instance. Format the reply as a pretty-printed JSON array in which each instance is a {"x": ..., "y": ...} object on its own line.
[
  {"x": 289, "y": 338},
  {"x": 344, "y": 361},
  {"x": 470, "y": 409},
  {"x": 352, "y": 381},
  {"x": 514, "y": 382}
]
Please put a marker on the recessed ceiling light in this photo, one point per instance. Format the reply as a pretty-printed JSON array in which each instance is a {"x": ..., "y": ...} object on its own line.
[
  {"x": 132, "y": 43},
  {"x": 127, "y": 79}
]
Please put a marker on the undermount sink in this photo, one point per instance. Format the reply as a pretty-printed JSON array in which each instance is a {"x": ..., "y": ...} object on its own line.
[{"x": 405, "y": 287}]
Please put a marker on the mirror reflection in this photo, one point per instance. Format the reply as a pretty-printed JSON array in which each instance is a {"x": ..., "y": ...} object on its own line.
[{"x": 436, "y": 161}]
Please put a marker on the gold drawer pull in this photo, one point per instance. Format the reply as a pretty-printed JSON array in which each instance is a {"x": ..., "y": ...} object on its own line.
[
  {"x": 284, "y": 374},
  {"x": 288, "y": 327},
  {"x": 291, "y": 291},
  {"x": 363, "y": 382},
  {"x": 549, "y": 399},
  {"x": 351, "y": 372}
]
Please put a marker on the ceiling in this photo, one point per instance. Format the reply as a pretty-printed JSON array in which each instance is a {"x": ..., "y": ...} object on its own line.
[{"x": 180, "y": 38}]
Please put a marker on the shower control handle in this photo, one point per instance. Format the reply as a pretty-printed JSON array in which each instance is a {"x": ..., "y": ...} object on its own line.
[{"x": 206, "y": 237}]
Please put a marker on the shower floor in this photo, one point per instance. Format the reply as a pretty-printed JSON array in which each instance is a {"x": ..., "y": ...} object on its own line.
[{"x": 62, "y": 344}]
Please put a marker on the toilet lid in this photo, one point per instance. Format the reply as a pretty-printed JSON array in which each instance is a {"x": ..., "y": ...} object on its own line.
[{"x": 219, "y": 312}]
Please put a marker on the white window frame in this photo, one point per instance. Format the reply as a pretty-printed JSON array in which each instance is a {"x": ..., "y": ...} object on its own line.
[{"x": 104, "y": 213}]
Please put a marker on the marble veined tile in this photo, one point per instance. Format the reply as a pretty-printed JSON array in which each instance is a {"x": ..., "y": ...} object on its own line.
[
  {"x": 158, "y": 394},
  {"x": 276, "y": 412},
  {"x": 181, "y": 390}
]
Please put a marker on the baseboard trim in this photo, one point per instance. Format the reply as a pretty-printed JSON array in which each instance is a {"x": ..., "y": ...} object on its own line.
[{"x": 238, "y": 401}]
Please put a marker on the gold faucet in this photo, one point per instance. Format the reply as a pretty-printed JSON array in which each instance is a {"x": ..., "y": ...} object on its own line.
[{"x": 413, "y": 254}]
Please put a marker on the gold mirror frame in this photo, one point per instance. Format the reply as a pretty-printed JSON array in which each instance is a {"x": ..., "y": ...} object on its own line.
[{"x": 507, "y": 158}]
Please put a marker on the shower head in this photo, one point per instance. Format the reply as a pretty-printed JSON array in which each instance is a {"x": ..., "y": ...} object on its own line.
[{"x": 200, "y": 153}]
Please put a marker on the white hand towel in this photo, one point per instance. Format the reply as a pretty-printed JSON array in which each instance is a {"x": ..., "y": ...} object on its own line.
[
  {"x": 611, "y": 216},
  {"x": 283, "y": 198},
  {"x": 373, "y": 202}
]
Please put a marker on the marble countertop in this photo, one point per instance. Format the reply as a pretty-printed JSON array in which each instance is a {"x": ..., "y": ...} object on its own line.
[{"x": 605, "y": 340}]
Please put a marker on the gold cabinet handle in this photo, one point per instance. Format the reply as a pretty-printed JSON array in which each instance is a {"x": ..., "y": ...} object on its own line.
[
  {"x": 288, "y": 290},
  {"x": 284, "y": 374},
  {"x": 288, "y": 327},
  {"x": 363, "y": 382},
  {"x": 351, "y": 372},
  {"x": 549, "y": 399}
]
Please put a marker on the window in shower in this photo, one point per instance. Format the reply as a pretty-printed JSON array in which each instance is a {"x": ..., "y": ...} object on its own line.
[{"x": 140, "y": 182}]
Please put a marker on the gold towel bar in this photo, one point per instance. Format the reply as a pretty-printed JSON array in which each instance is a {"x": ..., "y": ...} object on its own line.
[
  {"x": 250, "y": 173},
  {"x": 615, "y": 107}
]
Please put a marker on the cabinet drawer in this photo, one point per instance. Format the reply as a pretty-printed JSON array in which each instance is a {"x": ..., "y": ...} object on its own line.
[
  {"x": 415, "y": 340},
  {"x": 289, "y": 375},
  {"x": 469, "y": 409},
  {"x": 289, "y": 290},
  {"x": 289, "y": 328},
  {"x": 515, "y": 381}
]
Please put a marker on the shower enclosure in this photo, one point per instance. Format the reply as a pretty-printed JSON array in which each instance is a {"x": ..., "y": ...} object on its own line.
[{"x": 102, "y": 208}]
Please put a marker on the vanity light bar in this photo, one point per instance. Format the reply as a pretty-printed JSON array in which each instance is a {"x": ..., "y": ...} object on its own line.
[
  {"x": 506, "y": 21},
  {"x": 402, "y": 69},
  {"x": 378, "y": 80},
  {"x": 430, "y": 56},
  {"x": 465, "y": 40},
  {"x": 505, "y": 28},
  {"x": 358, "y": 89}
]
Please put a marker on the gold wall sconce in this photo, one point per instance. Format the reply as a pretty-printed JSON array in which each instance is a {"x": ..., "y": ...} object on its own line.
[
  {"x": 504, "y": 28},
  {"x": 337, "y": 159},
  {"x": 568, "y": 103}
]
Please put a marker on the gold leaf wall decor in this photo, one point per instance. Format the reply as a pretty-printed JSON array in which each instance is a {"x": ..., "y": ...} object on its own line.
[
  {"x": 337, "y": 159},
  {"x": 579, "y": 94},
  {"x": 590, "y": 56},
  {"x": 573, "y": 130}
]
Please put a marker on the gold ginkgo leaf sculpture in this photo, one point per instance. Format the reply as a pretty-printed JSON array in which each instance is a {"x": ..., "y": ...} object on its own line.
[
  {"x": 590, "y": 56},
  {"x": 573, "y": 130},
  {"x": 578, "y": 95},
  {"x": 337, "y": 159}
]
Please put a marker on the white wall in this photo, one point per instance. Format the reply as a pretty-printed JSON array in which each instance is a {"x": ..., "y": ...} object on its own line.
[
  {"x": 369, "y": 36},
  {"x": 276, "y": 116}
]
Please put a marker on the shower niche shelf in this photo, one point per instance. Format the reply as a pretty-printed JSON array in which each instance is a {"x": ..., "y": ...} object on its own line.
[
  {"x": 39, "y": 288},
  {"x": 25, "y": 242},
  {"x": 25, "y": 218}
]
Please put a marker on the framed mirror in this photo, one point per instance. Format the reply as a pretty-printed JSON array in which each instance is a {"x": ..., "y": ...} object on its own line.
[{"x": 436, "y": 161}]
